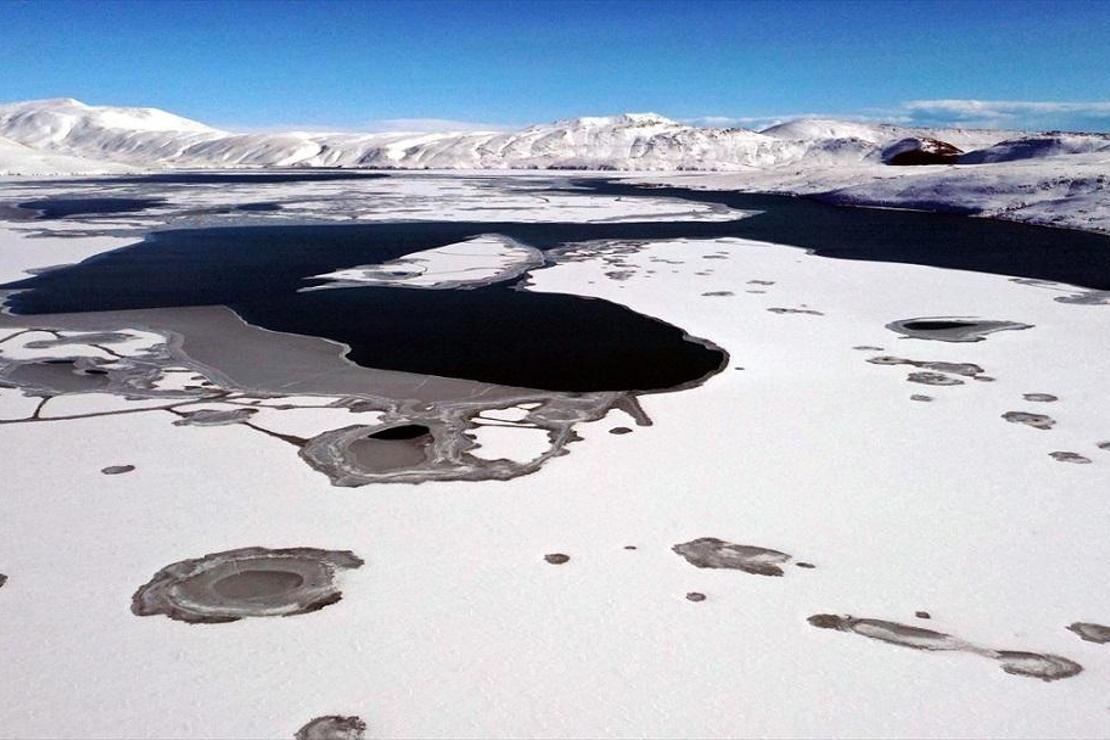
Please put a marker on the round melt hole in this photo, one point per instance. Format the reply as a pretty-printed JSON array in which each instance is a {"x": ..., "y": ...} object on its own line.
[{"x": 257, "y": 584}]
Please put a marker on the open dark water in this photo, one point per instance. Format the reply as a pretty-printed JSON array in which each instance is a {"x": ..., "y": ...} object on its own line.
[
  {"x": 909, "y": 237},
  {"x": 501, "y": 335},
  {"x": 49, "y": 208},
  {"x": 494, "y": 334},
  {"x": 229, "y": 178}
]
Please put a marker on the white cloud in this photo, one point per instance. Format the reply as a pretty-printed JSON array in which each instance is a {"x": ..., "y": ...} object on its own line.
[
  {"x": 757, "y": 123},
  {"x": 1004, "y": 114},
  {"x": 431, "y": 125},
  {"x": 728, "y": 121},
  {"x": 1021, "y": 114}
]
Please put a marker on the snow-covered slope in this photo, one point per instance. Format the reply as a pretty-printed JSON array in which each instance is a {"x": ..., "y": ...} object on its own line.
[
  {"x": 1069, "y": 191},
  {"x": 148, "y": 137},
  {"x": 20, "y": 159},
  {"x": 1037, "y": 147},
  {"x": 641, "y": 141}
]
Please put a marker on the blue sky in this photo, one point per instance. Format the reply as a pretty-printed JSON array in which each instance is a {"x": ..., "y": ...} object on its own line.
[{"x": 259, "y": 64}]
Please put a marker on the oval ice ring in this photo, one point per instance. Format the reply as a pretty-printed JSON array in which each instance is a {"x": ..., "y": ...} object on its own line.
[{"x": 249, "y": 582}]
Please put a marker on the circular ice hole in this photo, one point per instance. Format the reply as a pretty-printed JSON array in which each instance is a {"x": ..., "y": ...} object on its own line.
[{"x": 257, "y": 584}]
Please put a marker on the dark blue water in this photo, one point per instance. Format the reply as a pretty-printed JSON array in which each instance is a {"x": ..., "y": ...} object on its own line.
[
  {"x": 502, "y": 335},
  {"x": 494, "y": 334},
  {"x": 253, "y": 207},
  {"x": 50, "y": 208},
  {"x": 910, "y": 237}
]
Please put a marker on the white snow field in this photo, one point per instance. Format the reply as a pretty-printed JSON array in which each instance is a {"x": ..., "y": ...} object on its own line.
[
  {"x": 474, "y": 262},
  {"x": 1046, "y": 178},
  {"x": 456, "y": 626},
  {"x": 21, "y": 159}
]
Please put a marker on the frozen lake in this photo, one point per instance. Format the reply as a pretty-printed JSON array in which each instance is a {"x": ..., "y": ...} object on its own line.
[{"x": 689, "y": 463}]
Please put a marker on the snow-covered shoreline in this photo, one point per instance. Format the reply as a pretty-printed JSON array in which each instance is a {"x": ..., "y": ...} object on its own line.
[{"x": 1069, "y": 194}]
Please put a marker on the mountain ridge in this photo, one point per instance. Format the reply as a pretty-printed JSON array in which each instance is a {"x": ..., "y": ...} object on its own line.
[{"x": 151, "y": 137}]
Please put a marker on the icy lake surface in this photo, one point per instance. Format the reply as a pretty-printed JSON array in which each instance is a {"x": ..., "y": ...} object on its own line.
[
  {"x": 490, "y": 333},
  {"x": 689, "y": 464}
]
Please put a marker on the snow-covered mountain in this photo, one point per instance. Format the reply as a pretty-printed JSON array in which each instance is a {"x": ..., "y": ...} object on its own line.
[
  {"x": 885, "y": 134},
  {"x": 147, "y": 137},
  {"x": 1057, "y": 178}
]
